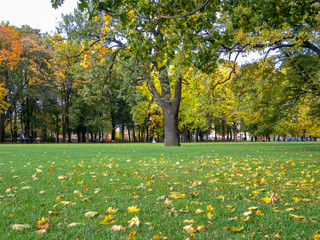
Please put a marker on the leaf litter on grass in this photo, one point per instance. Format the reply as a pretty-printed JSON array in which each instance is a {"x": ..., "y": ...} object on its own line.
[{"x": 216, "y": 194}]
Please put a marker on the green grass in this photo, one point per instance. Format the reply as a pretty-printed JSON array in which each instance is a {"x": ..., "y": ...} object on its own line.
[{"x": 232, "y": 177}]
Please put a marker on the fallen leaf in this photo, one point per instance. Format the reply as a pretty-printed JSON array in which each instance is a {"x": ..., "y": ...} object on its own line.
[
  {"x": 73, "y": 224},
  {"x": 108, "y": 219},
  {"x": 201, "y": 228},
  {"x": 90, "y": 214},
  {"x": 289, "y": 209},
  {"x": 187, "y": 221},
  {"x": 132, "y": 235},
  {"x": 133, "y": 209},
  {"x": 20, "y": 227},
  {"x": 41, "y": 231},
  {"x": 118, "y": 228},
  {"x": 189, "y": 228},
  {"x": 198, "y": 211},
  {"x": 253, "y": 208},
  {"x": 42, "y": 223},
  {"x": 210, "y": 208},
  {"x": 296, "y": 217},
  {"x": 134, "y": 221},
  {"x": 111, "y": 210},
  {"x": 259, "y": 213},
  {"x": 236, "y": 229},
  {"x": 167, "y": 201}
]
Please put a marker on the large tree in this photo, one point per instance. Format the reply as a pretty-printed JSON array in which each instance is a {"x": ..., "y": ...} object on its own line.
[
  {"x": 157, "y": 35},
  {"x": 288, "y": 30}
]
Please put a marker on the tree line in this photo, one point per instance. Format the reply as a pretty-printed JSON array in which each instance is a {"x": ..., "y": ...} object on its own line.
[{"x": 164, "y": 69}]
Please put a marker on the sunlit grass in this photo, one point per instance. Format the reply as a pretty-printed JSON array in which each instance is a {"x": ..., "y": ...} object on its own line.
[{"x": 256, "y": 190}]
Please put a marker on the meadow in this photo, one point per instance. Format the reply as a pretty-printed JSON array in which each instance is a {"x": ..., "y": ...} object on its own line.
[{"x": 147, "y": 191}]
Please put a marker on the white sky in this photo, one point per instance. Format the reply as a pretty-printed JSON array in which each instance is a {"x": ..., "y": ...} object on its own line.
[{"x": 37, "y": 14}]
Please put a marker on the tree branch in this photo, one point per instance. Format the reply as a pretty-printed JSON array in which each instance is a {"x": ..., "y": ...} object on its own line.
[{"x": 186, "y": 14}]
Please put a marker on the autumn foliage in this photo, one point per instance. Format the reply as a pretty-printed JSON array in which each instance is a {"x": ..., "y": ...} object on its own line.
[{"x": 10, "y": 47}]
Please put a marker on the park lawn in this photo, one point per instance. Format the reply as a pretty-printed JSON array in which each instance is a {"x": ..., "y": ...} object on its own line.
[{"x": 147, "y": 191}]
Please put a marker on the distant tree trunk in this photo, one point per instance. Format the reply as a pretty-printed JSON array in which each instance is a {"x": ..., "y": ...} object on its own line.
[
  {"x": 122, "y": 133},
  {"x": 87, "y": 133},
  {"x": 129, "y": 135},
  {"x": 57, "y": 127},
  {"x": 195, "y": 139},
  {"x": 223, "y": 130},
  {"x": 201, "y": 136},
  {"x": 79, "y": 136},
  {"x": 69, "y": 135},
  {"x": 83, "y": 136},
  {"x": 66, "y": 129},
  {"x": 215, "y": 134},
  {"x": 133, "y": 133},
  {"x": 113, "y": 134},
  {"x": 2, "y": 133}
]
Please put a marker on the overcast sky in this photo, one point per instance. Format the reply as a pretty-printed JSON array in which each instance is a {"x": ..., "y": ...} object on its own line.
[{"x": 35, "y": 13}]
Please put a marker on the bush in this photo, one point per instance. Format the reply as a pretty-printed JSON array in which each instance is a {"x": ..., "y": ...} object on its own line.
[{"x": 50, "y": 139}]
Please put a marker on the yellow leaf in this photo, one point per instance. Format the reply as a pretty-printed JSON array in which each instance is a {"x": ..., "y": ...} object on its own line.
[
  {"x": 210, "y": 215},
  {"x": 210, "y": 208},
  {"x": 90, "y": 214},
  {"x": 108, "y": 219},
  {"x": 198, "y": 211},
  {"x": 315, "y": 236},
  {"x": 189, "y": 221},
  {"x": 201, "y": 228},
  {"x": 236, "y": 229},
  {"x": 259, "y": 213},
  {"x": 289, "y": 209},
  {"x": 133, "y": 209},
  {"x": 111, "y": 210},
  {"x": 296, "y": 217},
  {"x": 266, "y": 199},
  {"x": 297, "y": 199},
  {"x": 132, "y": 235},
  {"x": 178, "y": 195}
]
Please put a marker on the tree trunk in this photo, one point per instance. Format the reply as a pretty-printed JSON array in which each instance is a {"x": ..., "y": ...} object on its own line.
[
  {"x": 57, "y": 127},
  {"x": 195, "y": 139},
  {"x": 113, "y": 134},
  {"x": 129, "y": 135},
  {"x": 171, "y": 131},
  {"x": 122, "y": 133},
  {"x": 87, "y": 132},
  {"x": 201, "y": 136},
  {"x": 170, "y": 105},
  {"x": 133, "y": 133},
  {"x": 79, "y": 136},
  {"x": 223, "y": 130}
]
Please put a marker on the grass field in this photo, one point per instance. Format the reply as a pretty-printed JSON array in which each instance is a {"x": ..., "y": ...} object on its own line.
[{"x": 147, "y": 191}]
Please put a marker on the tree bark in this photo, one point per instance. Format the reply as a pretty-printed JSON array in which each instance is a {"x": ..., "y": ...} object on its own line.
[
  {"x": 170, "y": 107},
  {"x": 195, "y": 139},
  {"x": 171, "y": 131}
]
